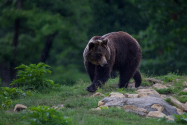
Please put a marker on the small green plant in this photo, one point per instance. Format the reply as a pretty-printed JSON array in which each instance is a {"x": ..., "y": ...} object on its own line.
[
  {"x": 32, "y": 77},
  {"x": 181, "y": 118},
  {"x": 44, "y": 115},
  {"x": 165, "y": 91},
  {"x": 5, "y": 102},
  {"x": 169, "y": 101},
  {"x": 11, "y": 92}
]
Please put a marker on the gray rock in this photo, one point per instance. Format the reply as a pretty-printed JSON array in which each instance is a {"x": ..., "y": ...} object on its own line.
[{"x": 144, "y": 102}]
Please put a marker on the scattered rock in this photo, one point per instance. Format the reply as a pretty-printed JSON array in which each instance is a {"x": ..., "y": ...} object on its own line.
[
  {"x": 58, "y": 107},
  {"x": 147, "y": 92},
  {"x": 178, "y": 104},
  {"x": 180, "y": 111},
  {"x": 144, "y": 102},
  {"x": 169, "y": 118},
  {"x": 19, "y": 107},
  {"x": 100, "y": 103},
  {"x": 185, "y": 83},
  {"x": 158, "y": 107},
  {"x": 155, "y": 114},
  {"x": 117, "y": 94},
  {"x": 185, "y": 90},
  {"x": 153, "y": 80},
  {"x": 98, "y": 94},
  {"x": 96, "y": 109},
  {"x": 159, "y": 86},
  {"x": 163, "y": 96},
  {"x": 127, "y": 95},
  {"x": 133, "y": 109}
]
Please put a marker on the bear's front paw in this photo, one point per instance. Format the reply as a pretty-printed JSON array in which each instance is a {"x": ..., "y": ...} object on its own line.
[{"x": 91, "y": 88}]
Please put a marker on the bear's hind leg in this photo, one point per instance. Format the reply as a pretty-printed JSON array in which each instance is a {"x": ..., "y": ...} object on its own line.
[
  {"x": 124, "y": 78},
  {"x": 138, "y": 79}
]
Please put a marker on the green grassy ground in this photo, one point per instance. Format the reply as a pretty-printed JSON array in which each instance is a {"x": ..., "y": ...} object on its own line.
[{"x": 78, "y": 103}]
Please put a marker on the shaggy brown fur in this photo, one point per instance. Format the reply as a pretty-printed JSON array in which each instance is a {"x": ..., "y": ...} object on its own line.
[{"x": 116, "y": 51}]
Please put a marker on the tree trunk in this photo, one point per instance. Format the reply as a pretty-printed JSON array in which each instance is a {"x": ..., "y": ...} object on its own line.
[
  {"x": 8, "y": 73},
  {"x": 5, "y": 73},
  {"x": 47, "y": 48}
]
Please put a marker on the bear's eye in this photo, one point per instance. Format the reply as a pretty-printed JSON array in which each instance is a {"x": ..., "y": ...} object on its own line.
[{"x": 99, "y": 55}]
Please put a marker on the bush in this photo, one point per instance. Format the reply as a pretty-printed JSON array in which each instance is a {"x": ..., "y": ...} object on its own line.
[
  {"x": 44, "y": 115},
  {"x": 5, "y": 102},
  {"x": 32, "y": 77}
]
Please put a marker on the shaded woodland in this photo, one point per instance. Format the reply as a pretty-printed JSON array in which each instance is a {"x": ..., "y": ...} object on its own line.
[{"x": 56, "y": 33}]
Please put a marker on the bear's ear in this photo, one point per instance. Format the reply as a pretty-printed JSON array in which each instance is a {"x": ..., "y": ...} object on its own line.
[
  {"x": 91, "y": 45},
  {"x": 105, "y": 41}
]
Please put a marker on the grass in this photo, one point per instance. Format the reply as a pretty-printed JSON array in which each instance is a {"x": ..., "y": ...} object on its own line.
[
  {"x": 77, "y": 106},
  {"x": 165, "y": 91}
]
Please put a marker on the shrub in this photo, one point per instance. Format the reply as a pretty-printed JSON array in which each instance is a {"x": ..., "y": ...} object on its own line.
[
  {"x": 32, "y": 77},
  {"x": 41, "y": 115},
  {"x": 11, "y": 92},
  {"x": 7, "y": 94},
  {"x": 5, "y": 102}
]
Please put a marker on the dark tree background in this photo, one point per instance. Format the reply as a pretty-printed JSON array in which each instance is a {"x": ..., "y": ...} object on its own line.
[{"x": 56, "y": 32}]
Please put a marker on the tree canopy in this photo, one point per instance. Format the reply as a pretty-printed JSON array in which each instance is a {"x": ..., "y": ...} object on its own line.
[{"x": 56, "y": 32}]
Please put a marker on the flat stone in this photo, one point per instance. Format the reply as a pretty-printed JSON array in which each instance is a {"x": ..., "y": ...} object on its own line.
[
  {"x": 180, "y": 111},
  {"x": 19, "y": 107},
  {"x": 127, "y": 95},
  {"x": 144, "y": 102},
  {"x": 158, "y": 107},
  {"x": 155, "y": 114},
  {"x": 178, "y": 104},
  {"x": 96, "y": 109},
  {"x": 163, "y": 96},
  {"x": 117, "y": 94},
  {"x": 153, "y": 80},
  {"x": 100, "y": 103},
  {"x": 98, "y": 94},
  {"x": 133, "y": 109},
  {"x": 147, "y": 92},
  {"x": 159, "y": 86}
]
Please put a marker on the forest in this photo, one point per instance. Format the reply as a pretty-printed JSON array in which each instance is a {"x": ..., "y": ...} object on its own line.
[{"x": 56, "y": 32}]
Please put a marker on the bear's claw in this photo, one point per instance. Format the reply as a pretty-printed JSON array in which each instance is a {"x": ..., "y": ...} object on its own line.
[{"x": 90, "y": 89}]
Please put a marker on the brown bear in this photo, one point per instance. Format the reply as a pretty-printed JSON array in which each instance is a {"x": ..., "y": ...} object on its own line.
[{"x": 115, "y": 51}]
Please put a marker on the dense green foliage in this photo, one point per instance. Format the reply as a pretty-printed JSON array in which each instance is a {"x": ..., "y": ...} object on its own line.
[
  {"x": 44, "y": 115},
  {"x": 56, "y": 32},
  {"x": 33, "y": 77}
]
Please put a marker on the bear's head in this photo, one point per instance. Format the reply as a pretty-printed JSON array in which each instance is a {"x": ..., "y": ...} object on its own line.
[{"x": 99, "y": 52}]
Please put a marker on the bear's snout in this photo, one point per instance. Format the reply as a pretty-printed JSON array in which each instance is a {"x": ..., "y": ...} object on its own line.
[{"x": 105, "y": 64}]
